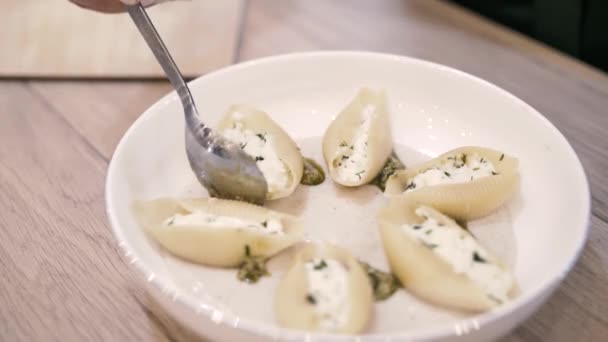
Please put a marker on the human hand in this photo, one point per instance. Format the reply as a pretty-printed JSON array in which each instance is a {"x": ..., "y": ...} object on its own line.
[{"x": 112, "y": 6}]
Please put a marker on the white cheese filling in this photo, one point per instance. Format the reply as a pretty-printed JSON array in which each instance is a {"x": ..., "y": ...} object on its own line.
[
  {"x": 351, "y": 161},
  {"x": 269, "y": 226},
  {"x": 460, "y": 168},
  {"x": 260, "y": 146},
  {"x": 459, "y": 248},
  {"x": 328, "y": 283}
]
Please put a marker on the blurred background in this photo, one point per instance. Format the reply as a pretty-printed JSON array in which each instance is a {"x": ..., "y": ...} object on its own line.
[
  {"x": 576, "y": 27},
  {"x": 54, "y": 38}
]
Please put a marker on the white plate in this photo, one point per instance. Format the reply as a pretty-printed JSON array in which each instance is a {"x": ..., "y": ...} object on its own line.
[{"x": 540, "y": 233}]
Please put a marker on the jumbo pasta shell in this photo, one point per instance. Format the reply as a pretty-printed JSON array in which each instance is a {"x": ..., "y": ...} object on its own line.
[
  {"x": 221, "y": 245},
  {"x": 297, "y": 310},
  {"x": 358, "y": 141},
  {"x": 467, "y": 200},
  {"x": 277, "y": 155},
  {"x": 428, "y": 273}
]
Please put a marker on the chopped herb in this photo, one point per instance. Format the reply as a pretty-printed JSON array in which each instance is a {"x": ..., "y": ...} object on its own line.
[
  {"x": 259, "y": 158},
  {"x": 311, "y": 299},
  {"x": 446, "y": 173},
  {"x": 494, "y": 299},
  {"x": 320, "y": 265},
  {"x": 343, "y": 144},
  {"x": 171, "y": 221},
  {"x": 482, "y": 160},
  {"x": 502, "y": 156},
  {"x": 412, "y": 186},
  {"x": 429, "y": 245},
  {"x": 243, "y": 145},
  {"x": 313, "y": 173},
  {"x": 262, "y": 136},
  {"x": 252, "y": 268},
  {"x": 344, "y": 157},
  {"x": 478, "y": 258},
  {"x": 494, "y": 173},
  {"x": 352, "y": 147},
  {"x": 392, "y": 165},
  {"x": 464, "y": 158},
  {"x": 428, "y": 232},
  {"x": 384, "y": 284},
  {"x": 265, "y": 224},
  {"x": 475, "y": 169},
  {"x": 358, "y": 174},
  {"x": 416, "y": 226}
]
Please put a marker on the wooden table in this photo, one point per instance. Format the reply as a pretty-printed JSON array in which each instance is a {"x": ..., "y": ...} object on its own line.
[{"x": 62, "y": 275}]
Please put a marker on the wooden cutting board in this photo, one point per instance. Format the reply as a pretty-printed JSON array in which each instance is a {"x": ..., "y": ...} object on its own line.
[{"x": 54, "y": 38}]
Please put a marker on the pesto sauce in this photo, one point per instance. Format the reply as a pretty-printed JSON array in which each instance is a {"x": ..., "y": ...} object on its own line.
[
  {"x": 313, "y": 173},
  {"x": 384, "y": 284},
  {"x": 253, "y": 268},
  {"x": 392, "y": 165}
]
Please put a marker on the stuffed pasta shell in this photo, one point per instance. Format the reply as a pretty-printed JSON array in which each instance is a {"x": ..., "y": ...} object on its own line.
[
  {"x": 464, "y": 183},
  {"x": 358, "y": 141},
  {"x": 216, "y": 232},
  {"x": 325, "y": 289},
  {"x": 439, "y": 261},
  {"x": 276, "y": 154}
]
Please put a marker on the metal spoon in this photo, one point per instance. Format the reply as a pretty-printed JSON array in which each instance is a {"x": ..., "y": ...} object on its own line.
[{"x": 220, "y": 165}]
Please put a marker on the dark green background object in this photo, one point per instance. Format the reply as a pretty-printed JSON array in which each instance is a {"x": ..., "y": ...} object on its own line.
[{"x": 576, "y": 27}]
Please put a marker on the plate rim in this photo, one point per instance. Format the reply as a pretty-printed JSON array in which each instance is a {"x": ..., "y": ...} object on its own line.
[{"x": 546, "y": 287}]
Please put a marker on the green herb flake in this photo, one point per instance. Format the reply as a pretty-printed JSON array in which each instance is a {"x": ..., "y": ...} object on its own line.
[
  {"x": 343, "y": 144},
  {"x": 265, "y": 224},
  {"x": 502, "y": 156},
  {"x": 446, "y": 173},
  {"x": 478, "y": 258},
  {"x": 259, "y": 158},
  {"x": 416, "y": 226},
  {"x": 321, "y": 265},
  {"x": 475, "y": 169},
  {"x": 313, "y": 172},
  {"x": 494, "y": 173},
  {"x": 311, "y": 299},
  {"x": 429, "y": 245},
  {"x": 494, "y": 299},
  {"x": 384, "y": 284},
  {"x": 243, "y": 145},
  {"x": 358, "y": 174},
  {"x": 262, "y": 136}
]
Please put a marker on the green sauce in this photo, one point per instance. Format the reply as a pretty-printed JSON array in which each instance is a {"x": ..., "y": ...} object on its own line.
[
  {"x": 392, "y": 165},
  {"x": 253, "y": 268},
  {"x": 384, "y": 284},
  {"x": 313, "y": 173}
]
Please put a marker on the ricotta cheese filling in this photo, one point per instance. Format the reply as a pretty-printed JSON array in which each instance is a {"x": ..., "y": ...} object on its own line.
[
  {"x": 351, "y": 161},
  {"x": 260, "y": 146},
  {"x": 459, "y": 249},
  {"x": 269, "y": 226},
  {"x": 460, "y": 168},
  {"x": 328, "y": 283}
]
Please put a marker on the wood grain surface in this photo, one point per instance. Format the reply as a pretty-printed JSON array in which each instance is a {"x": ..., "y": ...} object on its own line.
[
  {"x": 63, "y": 278},
  {"x": 55, "y": 38}
]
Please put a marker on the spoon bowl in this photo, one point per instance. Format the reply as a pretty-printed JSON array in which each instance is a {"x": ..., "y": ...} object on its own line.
[{"x": 219, "y": 165}]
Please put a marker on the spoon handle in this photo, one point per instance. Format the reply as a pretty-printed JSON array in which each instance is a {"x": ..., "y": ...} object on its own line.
[{"x": 152, "y": 38}]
